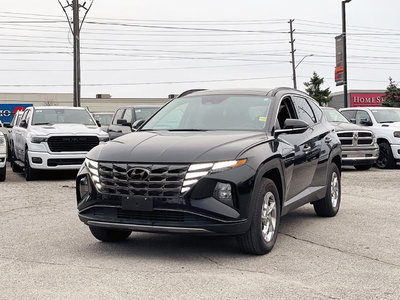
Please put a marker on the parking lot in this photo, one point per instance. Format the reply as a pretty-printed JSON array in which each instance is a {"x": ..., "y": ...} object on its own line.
[{"x": 45, "y": 251}]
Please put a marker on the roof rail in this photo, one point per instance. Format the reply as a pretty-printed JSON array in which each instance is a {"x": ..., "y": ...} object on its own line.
[
  {"x": 188, "y": 92},
  {"x": 276, "y": 90}
]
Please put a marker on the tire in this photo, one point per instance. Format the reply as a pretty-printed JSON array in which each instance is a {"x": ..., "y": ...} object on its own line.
[
  {"x": 255, "y": 240},
  {"x": 3, "y": 173},
  {"x": 109, "y": 235},
  {"x": 385, "y": 159},
  {"x": 30, "y": 174},
  {"x": 363, "y": 167},
  {"x": 329, "y": 205}
]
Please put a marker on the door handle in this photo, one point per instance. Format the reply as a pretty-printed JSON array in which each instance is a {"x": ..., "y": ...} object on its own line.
[{"x": 306, "y": 148}]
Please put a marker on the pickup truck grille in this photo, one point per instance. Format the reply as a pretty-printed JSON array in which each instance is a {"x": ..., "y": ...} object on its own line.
[
  {"x": 355, "y": 138},
  {"x": 142, "y": 179},
  {"x": 72, "y": 143}
]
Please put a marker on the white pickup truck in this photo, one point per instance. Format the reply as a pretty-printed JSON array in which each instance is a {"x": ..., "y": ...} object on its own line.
[
  {"x": 384, "y": 122},
  {"x": 3, "y": 157},
  {"x": 54, "y": 138}
]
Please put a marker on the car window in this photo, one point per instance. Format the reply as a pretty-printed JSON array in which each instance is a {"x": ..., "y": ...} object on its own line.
[
  {"x": 349, "y": 114},
  {"x": 304, "y": 111},
  {"x": 128, "y": 115},
  {"x": 118, "y": 115},
  {"x": 361, "y": 117},
  {"x": 286, "y": 111},
  {"x": 316, "y": 109},
  {"x": 145, "y": 113}
]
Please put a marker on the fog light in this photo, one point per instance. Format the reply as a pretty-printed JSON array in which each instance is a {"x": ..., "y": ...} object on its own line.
[
  {"x": 84, "y": 188},
  {"x": 37, "y": 160},
  {"x": 2, "y": 159},
  {"x": 223, "y": 193}
]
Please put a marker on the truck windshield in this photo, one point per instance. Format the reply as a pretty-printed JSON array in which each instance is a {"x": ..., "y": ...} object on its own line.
[
  {"x": 104, "y": 119},
  {"x": 144, "y": 113},
  {"x": 61, "y": 116},
  {"x": 389, "y": 115},
  {"x": 212, "y": 112},
  {"x": 332, "y": 115}
]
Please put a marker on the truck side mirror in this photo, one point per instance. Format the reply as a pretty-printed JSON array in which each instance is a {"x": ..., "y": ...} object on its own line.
[{"x": 136, "y": 125}]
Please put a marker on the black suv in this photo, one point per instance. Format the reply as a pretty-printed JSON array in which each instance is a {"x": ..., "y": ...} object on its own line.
[{"x": 228, "y": 162}]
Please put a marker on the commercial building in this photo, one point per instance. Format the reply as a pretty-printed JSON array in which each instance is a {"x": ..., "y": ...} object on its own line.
[{"x": 357, "y": 98}]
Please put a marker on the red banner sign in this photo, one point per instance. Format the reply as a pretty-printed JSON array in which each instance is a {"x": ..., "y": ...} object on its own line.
[{"x": 366, "y": 99}]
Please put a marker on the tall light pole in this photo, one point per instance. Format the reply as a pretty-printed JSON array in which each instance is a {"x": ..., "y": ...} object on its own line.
[
  {"x": 308, "y": 55},
  {"x": 344, "y": 51},
  {"x": 75, "y": 26}
]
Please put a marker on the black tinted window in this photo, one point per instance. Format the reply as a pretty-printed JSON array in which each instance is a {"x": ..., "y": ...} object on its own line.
[
  {"x": 304, "y": 111},
  {"x": 349, "y": 114},
  {"x": 316, "y": 109},
  {"x": 362, "y": 117},
  {"x": 118, "y": 115}
]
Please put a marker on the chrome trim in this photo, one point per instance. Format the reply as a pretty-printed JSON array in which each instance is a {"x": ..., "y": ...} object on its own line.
[{"x": 147, "y": 227}]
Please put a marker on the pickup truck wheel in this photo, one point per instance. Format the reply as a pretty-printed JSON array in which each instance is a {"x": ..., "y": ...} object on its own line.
[
  {"x": 329, "y": 206},
  {"x": 30, "y": 174},
  {"x": 3, "y": 173},
  {"x": 385, "y": 159},
  {"x": 109, "y": 235},
  {"x": 363, "y": 167},
  {"x": 261, "y": 237}
]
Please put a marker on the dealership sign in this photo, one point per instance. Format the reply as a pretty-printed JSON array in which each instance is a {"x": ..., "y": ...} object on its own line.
[
  {"x": 7, "y": 111},
  {"x": 366, "y": 99}
]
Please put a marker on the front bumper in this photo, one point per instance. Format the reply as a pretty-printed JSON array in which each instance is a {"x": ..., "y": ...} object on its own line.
[
  {"x": 396, "y": 151},
  {"x": 186, "y": 213},
  {"x": 47, "y": 161},
  {"x": 359, "y": 156}
]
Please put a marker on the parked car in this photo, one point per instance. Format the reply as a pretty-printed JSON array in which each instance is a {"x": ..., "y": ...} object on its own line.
[
  {"x": 125, "y": 117},
  {"x": 11, "y": 138},
  {"x": 54, "y": 138},
  {"x": 384, "y": 122},
  {"x": 3, "y": 129},
  {"x": 104, "y": 119},
  {"x": 3, "y": 157},
  {"x": 359, "y": 145},
  {"x": 215, "y": 162}
]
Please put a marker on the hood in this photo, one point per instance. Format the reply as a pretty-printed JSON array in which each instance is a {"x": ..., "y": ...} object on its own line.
[
  {"x": 66, "y": 129},
  {"x": 394, "y": 124},
  {"x": 176, "y": 147},
  {"x": 342, "y": 126}
]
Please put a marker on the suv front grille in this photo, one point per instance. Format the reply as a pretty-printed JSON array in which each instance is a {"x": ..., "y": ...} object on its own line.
[
  {"x": 142, "y": 179},
  {"x": 72, "y": 143},
  {"x": 355, "y": 138}
]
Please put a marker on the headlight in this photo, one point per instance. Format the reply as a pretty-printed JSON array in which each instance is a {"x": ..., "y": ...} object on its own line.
[
  {"x": 38, "y": 139},
  {"x": 104, "y": 139},
  {"x": 197, "y": 171},
  {"x": 2, "y": 140},
  {"x": 396, "y": 134},
  {"x": 93, "y": 167}
]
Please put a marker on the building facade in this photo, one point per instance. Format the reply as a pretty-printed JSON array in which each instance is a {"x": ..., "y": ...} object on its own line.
[{"x": 357, "y": 98}]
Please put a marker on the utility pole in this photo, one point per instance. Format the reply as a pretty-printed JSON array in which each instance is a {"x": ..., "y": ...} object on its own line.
[
  {"x": 293, "y": 51},
  {"x": 344, "y": 51},
  {"x": 77, "y": 54},
  {"x": 75, "y": 26}
]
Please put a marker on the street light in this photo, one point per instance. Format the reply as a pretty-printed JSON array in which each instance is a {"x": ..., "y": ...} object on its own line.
[
  {"x": 344, "y": 51},
  {"x": 303, "y": 59}
]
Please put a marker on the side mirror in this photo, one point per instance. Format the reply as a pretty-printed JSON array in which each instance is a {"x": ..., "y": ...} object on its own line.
[
  {"x": 23, "y": 124},
  {"x": 7, "y": 125},
  {"x": 98, "y": 123},
  {"x": 365, "y": 122},
  {"x": 353, "y": 121},
  {"x": 292, "y": 126},
  {"x": 121, "y": 121},
  {"x": 136, "y": 125}
]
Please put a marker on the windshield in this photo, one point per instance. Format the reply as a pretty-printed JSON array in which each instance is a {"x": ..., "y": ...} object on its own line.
[
  {"x": 389, "y": 115},
  {"x": 61, "y": 116},
  {"x": 212, "y": 112},
  {"x": 332, "y": 115},
  {"x": 145, "y": 113},
  {"x": 104, "y": 119}
]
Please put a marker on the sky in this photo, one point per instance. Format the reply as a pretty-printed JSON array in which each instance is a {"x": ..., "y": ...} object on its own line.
[{"x": 154, "y": 48}]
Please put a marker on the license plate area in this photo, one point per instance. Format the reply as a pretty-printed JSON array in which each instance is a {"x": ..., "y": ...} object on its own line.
[{"x": 138, "y": 203}]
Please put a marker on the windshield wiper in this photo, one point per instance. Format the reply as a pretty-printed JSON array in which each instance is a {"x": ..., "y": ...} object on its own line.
[
  {"x": 43, "y": 123},
  {"x": 388, "y": 121}
]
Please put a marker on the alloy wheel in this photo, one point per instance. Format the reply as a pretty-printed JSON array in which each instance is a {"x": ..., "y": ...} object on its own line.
[
  {"x": 268, "y": 217},
  {"x": 334, "y": 189}
]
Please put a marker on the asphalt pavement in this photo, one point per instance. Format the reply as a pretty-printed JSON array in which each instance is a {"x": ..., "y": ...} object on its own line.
[{"x": 46, "y": 252}]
